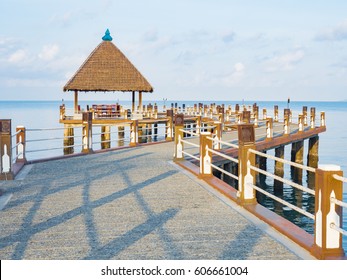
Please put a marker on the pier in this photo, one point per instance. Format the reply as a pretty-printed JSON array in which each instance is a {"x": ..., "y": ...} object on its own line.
[{"x": 117, "y": 205}]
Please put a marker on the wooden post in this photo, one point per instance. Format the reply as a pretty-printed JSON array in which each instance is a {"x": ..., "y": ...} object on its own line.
[
  {"x": 87, "y": 132},
  {"x": 155, "y": 131},
  {"x": 218, "y": 132},
  {"x": 312, "y": 156},
  {"x": 246, "y": 194},
  {"x": 301, "y": 123},
  {"x": 198, "y": 124},
  {"x": 105, "y": 137},
  {"x": 20, "y": 142},
  {"x": 246, "y": 116},
  {"x": 169, "y": 125},
  {"x": 69, "y": 140},
  {"x": 76, "y": 102},
  {"x": 328, "y": 241},
  {"x": 256, "y": 116},
  {"x": 140, "y": 101},
  {"x": 134, "y": 133},
  {"x": 286, "y": 127},
  {"x": 264, "y": 114},
  {"x": 276, "y": 113},
  {"x": 297, "y": 156},
  {"x": 279, "y": 168},
  {"x": 179, "y": 124},
  {"x": 133, "y": 102},
  {"x": 205, "y": 154},
  {"x": 269, "y": 129},
  {"x": 120, "y": 130},
  {"x": 62, "y": 112},
  {"x": 313, "y": 117},
  {"x": 6, "y": 150},
  {"x": 322, "y": 119},
  {"x": 304, "y": 113}
]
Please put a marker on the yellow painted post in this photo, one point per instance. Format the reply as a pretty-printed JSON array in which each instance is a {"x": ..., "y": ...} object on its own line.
[
  {"x": 205, "y": 154},
  {"x": 269, "y": 129},
  {"x": 276, "y": 113},
  {"x": 69, "y": 140},
  {"x": 304, "y": 113},
  {"x": 301, "y": 123},
  {"x": 256, "y": 116},
  {"x": 134, "y": 133},
  {"x": 264, "y": 114},
  {"x": 313, "y": 117},
  {"x": 198, "y": 124},
  {"x": 217, "y": 132},
  {"x": 169, "y": 125},
  {"x": 322, "y": 119},
  {"x": 246, "y": 135},
  {"x": 328, "y": 241},
  {"x": 105, "y": 137},
  {"x": 62, "y": 112},
  {"x": 179, "y": 125},
  {"x": 87, "y": 132},
  {"x": 20, "y": 143},
  {"x": 286, "y": 127},
  {"x": 5, "y": 150},
  {"x": 246, "y": 116}
]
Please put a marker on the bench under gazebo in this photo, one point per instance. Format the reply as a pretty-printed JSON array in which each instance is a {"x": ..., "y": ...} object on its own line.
[{"x": 107, "y": 69}]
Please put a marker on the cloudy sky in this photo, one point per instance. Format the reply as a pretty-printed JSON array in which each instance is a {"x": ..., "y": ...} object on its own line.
[{"x": 187, "y": 49}]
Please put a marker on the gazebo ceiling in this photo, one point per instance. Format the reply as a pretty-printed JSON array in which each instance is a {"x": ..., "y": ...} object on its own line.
[{"x": 107, "y": 69}]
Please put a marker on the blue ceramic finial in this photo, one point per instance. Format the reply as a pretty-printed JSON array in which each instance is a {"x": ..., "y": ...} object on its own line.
[{"x": 107, "y": 36}]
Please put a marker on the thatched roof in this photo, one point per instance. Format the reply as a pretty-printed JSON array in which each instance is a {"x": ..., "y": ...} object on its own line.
[{"x": 107, "y": 69}]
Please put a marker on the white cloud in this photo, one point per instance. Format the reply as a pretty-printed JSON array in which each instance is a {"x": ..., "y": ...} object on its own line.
[
  {"x": 18, "y": 56},
  {"x": 236, "y": 75},
  {"x": 285, "y": 61},
  {"x": 49, "y": 52},
  {"x": 337, "y": 33}
]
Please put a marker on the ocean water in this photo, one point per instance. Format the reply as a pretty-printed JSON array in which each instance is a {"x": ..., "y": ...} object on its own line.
[{"x": 332, "y": 144}]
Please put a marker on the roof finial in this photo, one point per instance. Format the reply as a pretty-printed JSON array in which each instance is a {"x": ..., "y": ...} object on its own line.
[{"x": 107, "y": 36}]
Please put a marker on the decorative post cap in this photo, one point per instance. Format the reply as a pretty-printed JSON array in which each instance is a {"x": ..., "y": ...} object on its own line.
[{"x": 107, "y": 36}]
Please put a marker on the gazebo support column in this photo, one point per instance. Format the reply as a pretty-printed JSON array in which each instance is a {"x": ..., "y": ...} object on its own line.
[
  {"x": 76, "y": 102},
  {"x": 133, "y": 102},
  {"x": 140, "y": 101}
]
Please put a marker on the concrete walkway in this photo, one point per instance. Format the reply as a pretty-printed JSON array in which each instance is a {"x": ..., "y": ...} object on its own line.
[{"x": 127, "y": 204}]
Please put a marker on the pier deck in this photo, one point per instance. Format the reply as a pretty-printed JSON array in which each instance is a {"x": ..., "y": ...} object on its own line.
[{"x": 128, "y": 204}]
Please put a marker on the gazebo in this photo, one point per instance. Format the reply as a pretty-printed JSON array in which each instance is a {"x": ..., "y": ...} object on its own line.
[{"x": 108, "y": 69}]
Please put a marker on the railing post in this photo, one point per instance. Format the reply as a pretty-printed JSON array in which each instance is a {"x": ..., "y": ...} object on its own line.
[
  {"x": 246, "y": 116},
  {"x": 313, "y": 117},
  {"x": 301, "y": 123},
  {"x": 246, "y": 194},
  {"x": 169, "y": 125},
  {"x": 87, "y": 132},
  {"x": 264, "y": 114},
  {"x": 276, "y": 113},
  {"x": 269, "y": 129},
  {"x": 105, "y": 137},
  {"x": 5, "y": 150},
  {"x": 218, "y": 131},
  {"x": 286, "y": 127},
  {"x": 304, "y": 113},
  {"x": 205, "y": 155},
  {"x": 134, "y": 133},
  {"x": 328, "y": 241},
  {"x": 322, "y": 119},
  {"x": 179, "y": 124},
  {"x": 198, "y": 124},
  {"x": 256, "y": 116},
  {"x": 20, "y": 142},
  {"x": 62, "y": 112}
]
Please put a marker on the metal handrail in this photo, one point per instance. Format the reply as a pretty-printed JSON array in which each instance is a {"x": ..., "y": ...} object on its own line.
[
  {"x": 190, "y": 155},
  {"x": 225, "y": 172},
  {"x": 340, "y": 178},
  {"x": 190, "y": 143},
  {"x": 223, "y": 155},
  {"x": 340, "y": 230}
]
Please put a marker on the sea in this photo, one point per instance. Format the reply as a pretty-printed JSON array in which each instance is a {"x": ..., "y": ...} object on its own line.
[{"x": 40, "y": 117}]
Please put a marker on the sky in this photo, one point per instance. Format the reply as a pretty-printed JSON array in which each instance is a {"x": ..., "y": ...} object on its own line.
[{"x": 187, "y": 49}]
